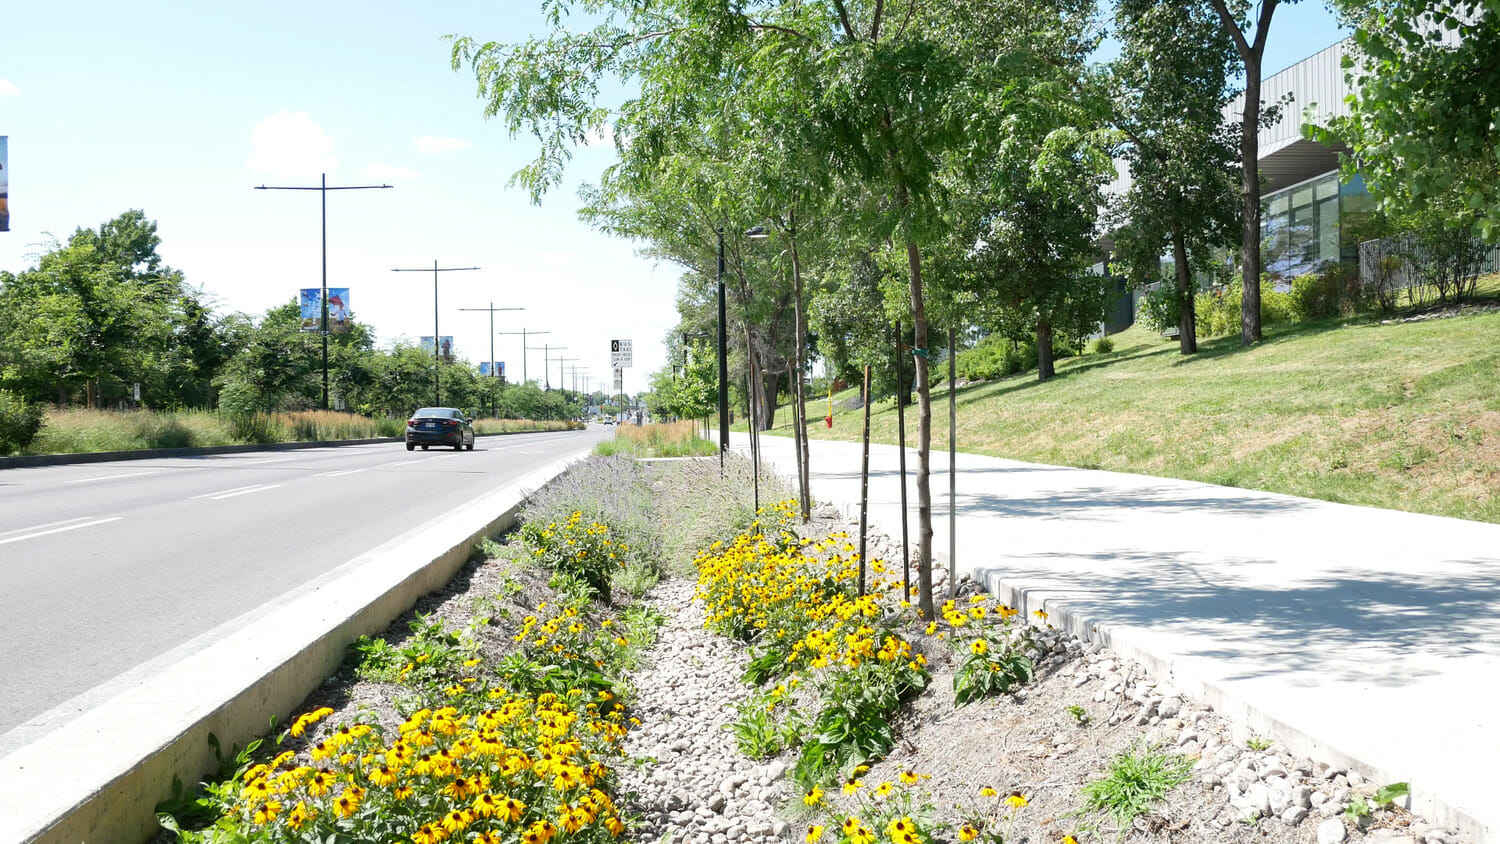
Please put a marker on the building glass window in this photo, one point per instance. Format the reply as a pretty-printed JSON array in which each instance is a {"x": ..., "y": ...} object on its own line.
[{"x": 1300, "y": 226}]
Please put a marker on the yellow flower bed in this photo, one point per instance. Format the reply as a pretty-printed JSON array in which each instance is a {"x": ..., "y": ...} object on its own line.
[{"x": 527, "y": 769}]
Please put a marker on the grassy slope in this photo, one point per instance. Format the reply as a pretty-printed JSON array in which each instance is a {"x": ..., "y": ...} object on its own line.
[{"x": 1403, "y": 416}]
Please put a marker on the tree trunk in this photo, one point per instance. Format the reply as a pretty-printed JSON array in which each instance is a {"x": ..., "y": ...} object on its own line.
[
  {"x": 770, "y": 384},
  {"x": 799, "y": 397},
  {"x": 1044, "y": 366},
  {"x": 1250, "y": 203},
  {"x": 1187, "y": 323},
  {"x": 924, "y": 428}
]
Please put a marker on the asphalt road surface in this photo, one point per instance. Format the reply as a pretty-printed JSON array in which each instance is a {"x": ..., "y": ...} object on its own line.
[{"x": 106, "y": 566}]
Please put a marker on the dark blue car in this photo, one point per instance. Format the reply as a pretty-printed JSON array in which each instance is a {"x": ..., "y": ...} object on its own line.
[{"x": 439, "y": 426}]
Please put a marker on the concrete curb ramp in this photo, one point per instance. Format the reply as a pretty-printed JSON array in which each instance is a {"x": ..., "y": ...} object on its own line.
[{"x": 98, "y": 777}]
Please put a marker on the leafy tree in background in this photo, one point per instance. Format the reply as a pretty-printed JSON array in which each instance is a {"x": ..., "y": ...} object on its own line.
[
  {"x": 1426, "y": 82},
  {"x": 102, "y": 312},
  {"x": 1251, "y": 49},
  {"x": 1170, "y": 86}
]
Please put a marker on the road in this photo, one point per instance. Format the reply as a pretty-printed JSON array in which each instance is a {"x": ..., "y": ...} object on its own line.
[{"x": 106, "y": 566}]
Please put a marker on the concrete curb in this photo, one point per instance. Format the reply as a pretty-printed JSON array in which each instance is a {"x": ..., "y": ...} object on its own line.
[
  {"x": 28, "y": 461},
  {"x": 98, "y": 777}
]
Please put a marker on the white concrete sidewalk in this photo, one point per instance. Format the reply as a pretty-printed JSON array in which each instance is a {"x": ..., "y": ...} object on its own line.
[{"x": 1356, "y": 636}]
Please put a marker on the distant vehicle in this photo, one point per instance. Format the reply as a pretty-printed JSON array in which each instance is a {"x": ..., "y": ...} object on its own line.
[
  {"x": 608, "y": 420},
  {"x": 439, "y": 426}
]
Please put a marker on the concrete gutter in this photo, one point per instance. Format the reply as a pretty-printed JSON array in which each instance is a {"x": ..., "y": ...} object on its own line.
[
  {"x": 30, "y": 460},
  {"x": 99, "y": 776}
]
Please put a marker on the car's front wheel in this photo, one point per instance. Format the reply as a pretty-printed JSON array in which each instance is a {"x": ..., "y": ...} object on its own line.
[{"x": 411, "y": 446}]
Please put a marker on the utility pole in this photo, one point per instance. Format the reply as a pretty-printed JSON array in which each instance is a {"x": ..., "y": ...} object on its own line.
[
  {"x": 524, "y": 347},
  {"x": 493, "y": 373},
  {"x": 437, "y": 338},
  {"x": 546, "y": 351},
  {"x": 323, "y": 189}
]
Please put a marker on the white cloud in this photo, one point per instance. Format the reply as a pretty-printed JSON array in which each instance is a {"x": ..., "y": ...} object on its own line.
[
  {"x": 290, "y": 144},
  {"x": 376, "y": 170},
  {"x": 9, "y": 89},
  {"x": 430, "y": 144}
]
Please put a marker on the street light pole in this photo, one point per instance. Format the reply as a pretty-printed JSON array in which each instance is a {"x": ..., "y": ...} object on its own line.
[
  {"x": 323, "y": 189},
  {"x": 723, "y": 363},
  {"x": 546, "y": 353},
  {"x": 437, "y": 338},
  {"x": 493, "y": 373},
  {"x": 522, "y": 332}
]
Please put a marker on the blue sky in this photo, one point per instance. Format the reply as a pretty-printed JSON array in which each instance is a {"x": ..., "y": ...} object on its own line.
[{"x": 180, "y": 109}]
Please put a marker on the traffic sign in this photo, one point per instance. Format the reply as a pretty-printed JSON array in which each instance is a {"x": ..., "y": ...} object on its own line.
[
  {"x": 619, "y": 379},
  {"x": 619, "y": 353}
]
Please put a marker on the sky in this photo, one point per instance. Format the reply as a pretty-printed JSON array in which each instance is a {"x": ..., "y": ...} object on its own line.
[{"x": 180, "y": 109}]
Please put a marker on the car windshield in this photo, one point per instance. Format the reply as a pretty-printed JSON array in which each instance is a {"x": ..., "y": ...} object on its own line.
[{"x": 441, "y": 412}]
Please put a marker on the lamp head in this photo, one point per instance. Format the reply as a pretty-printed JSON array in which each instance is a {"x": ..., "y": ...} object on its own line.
[{"x": 757, "y": 233}]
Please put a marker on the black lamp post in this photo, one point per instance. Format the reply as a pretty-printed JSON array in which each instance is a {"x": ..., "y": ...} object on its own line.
[{"x": 723, "y": 363}]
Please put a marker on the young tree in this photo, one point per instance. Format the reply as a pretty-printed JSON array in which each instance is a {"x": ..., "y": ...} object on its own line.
[{"x": 1170, "y": 87}]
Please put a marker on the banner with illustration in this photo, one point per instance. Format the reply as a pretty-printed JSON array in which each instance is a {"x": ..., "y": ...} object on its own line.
[
  {"x": 310, "y": 300},
  {"x": 445, "y": 346},
  {"x": 499, "y": 370},
  {"x": 4, "y": 185}
]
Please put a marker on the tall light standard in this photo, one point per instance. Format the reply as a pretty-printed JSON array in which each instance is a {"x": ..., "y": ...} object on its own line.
[
  {"x": 323, "y": 189},
  {"x": 437, "y": 338},
  {"x": 546, "y": 351},
  {"x": 524, "y": 347},
  {"x": 723, "y": 363},
  {"x": 560, "y": 379},
  {"x": 493, "y": 373}
]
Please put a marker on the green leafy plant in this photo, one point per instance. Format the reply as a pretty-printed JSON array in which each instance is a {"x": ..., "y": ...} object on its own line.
[
  {"x": 20, "y": 422},
  {"x": 994, "y": 641},
  {"x": 577, "y": 547},
  {"x": 1137, "y": 779},
  {"x": 756, "y": 732},
  {"x": 1258, "y": 743},
  {"x": 1385, "y": 797},
  {"x": 1080, "y": 715}
]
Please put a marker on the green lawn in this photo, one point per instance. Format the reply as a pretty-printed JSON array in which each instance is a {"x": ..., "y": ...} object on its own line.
[{"x": 1403, "y": 416}]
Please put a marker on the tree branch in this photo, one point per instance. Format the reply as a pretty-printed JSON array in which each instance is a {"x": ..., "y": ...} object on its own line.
[
  {"x": 785, "y": 30},
  {"x": 844, "y": 19},
  {"x": 1233, "y": 26},
  {"x": 875, "y": 24}
]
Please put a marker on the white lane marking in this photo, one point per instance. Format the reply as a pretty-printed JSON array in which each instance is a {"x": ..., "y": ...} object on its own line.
[
  {"x": 338, "y": 473},
  {"x": 109, "y": 477},
  {"x": 400, "y": 463},
  {"x": 262, "y": 460},
  {"x": 47, "y": 525},
  {"x": 59, "y": 529},
  {"x": 239, "y": 490},
  {"x": 246, "y": 491}
]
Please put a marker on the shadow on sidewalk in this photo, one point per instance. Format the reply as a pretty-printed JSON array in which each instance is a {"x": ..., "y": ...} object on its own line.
[
  {"x": 1095, "y": 503},
  {"x": 1380, "y": 628}
]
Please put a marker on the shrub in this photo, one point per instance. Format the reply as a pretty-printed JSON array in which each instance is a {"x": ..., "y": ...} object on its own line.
[
  {"x": 577, "y": 547},
  {"x": 20, "y": 422},
  {"x": 161, "y": 430},
  {"x": 1159, "y": 309},
  {"x": 615, "y": 491},
  {"x": 1218, "y": 312},
  {"x": 997, "y": 356},
  {"x": 257, "y": 428},
  {"x": 1103, "y": 346}
]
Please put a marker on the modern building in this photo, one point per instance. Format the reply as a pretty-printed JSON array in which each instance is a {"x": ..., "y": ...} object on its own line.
[{"x": 1303, "y": 196}]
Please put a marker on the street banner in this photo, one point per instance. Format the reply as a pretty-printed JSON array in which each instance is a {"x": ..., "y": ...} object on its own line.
[
  {"x": 499, "y": 371},
  {"x": 310, "y": 299},
  {"x": 338, "y": 310},
  {"x": 4, "y": 185},
  {"x": 446, "y": 349}
]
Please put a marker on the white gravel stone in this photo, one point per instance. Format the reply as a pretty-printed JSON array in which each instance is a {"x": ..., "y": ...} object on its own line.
[{"x": 1332, "y": 831}]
